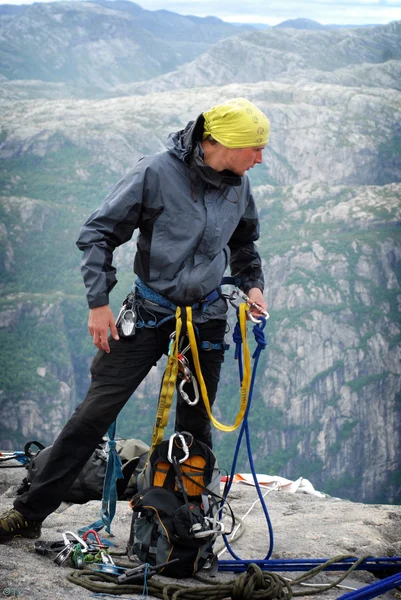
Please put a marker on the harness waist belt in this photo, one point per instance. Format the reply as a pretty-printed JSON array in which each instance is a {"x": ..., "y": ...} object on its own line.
[{"x": 148, "y": 294}]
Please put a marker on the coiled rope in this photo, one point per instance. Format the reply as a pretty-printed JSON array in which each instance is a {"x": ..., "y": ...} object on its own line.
[{"x": 254, "y": 584}]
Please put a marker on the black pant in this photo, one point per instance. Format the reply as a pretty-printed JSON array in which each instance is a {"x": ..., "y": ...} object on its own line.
[{"x": 115, "y": 377}]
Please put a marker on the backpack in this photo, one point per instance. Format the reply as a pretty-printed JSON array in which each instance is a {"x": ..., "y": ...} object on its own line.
[
  {"x": 89, "y": 483},
  {"x": 177, "y": 507}
]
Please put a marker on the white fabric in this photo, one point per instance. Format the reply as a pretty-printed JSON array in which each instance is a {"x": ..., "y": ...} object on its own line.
[{"x": 275, "y": 482}]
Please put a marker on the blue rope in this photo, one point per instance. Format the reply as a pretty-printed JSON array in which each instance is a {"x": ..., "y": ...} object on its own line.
[
  {"x": 374, "y": 589},
  {"x": 145, "y": 590},
  {"x": 109, "y": 500},
  {"x": 372, "y": 564},
  {"x": 261, "y": 345}
]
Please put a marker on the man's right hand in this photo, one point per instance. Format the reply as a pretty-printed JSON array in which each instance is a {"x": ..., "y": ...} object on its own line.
[{"x": 99, "y": 322}]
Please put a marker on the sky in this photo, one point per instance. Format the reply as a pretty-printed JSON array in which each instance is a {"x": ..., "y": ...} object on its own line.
[{"x": 272, "y": 12}]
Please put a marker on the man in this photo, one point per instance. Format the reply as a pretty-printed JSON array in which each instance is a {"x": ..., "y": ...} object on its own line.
[{"x": 196, "y": 216}]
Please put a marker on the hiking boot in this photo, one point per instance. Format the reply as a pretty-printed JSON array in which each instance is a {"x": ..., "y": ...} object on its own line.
[{"x": 13, "y": 524}]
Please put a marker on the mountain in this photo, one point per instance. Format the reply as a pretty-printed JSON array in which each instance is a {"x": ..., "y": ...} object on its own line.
[
  {"x": 102, "y": 43},
  {"x": 327, "y": 399},
  {"x": 301, "y": 24},
  {"x": 271, "y": 54}
]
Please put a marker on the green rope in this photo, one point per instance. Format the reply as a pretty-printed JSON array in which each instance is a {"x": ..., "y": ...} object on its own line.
[
  {"x": 254, "y": 584},
  {"x": 309, "y": 574}
]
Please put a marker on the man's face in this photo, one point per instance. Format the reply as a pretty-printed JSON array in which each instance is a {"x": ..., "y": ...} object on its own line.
[{"x": 240, "y": 160}]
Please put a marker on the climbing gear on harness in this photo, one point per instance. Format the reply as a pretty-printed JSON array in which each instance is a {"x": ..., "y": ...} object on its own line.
[
  {"x": 186, "y": 375},
  {"x": 14, "y": 524},
  {"x": 184, "y": 321},
  {"x": 168, "y": 386},
  {"x": 237, "y": 293},
  {"x": 127, "y": 317},
  {"x": 245, "y": 382}
]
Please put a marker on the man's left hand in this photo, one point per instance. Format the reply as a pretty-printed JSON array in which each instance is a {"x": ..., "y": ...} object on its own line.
[{"x": 256, "y": 295}]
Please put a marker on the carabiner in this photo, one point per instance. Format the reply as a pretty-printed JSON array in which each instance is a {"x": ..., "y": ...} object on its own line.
[
  {"x": 183, "y": 370},
  {"x": 185, "y": 396},
  {"x": 76, "y": 539},
  {"x": 106, "y": 558},
  {"x": 184, "y": 448}
]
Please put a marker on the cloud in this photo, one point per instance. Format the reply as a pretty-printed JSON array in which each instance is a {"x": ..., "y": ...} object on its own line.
[
  {"x": 350, "y": 12},
  {"x": 258, "y": 11}
]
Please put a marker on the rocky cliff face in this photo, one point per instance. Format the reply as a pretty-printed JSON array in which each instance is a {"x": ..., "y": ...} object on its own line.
[
  {"x": 332, "y": 375},
  {"x": 327, "y": 404}
]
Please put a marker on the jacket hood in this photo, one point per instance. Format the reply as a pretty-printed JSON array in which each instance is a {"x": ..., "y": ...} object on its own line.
[{"x": 185, "y": 145}]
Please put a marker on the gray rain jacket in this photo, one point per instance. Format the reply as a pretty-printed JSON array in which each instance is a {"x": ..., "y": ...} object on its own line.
[{"x": 193, "y": 223}]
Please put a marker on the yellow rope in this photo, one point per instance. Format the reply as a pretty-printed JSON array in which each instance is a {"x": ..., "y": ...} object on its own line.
[
  {"x": 170, "y": 377},
  {"x": 246, "y": 380}
]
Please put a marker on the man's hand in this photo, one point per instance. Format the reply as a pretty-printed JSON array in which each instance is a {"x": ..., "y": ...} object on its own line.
[
  {"x": 256, "y": 295},
  {"x": 100, "y": 319}
]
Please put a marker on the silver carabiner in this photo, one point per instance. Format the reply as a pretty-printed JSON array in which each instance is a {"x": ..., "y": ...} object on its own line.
[
  {"x": 185, "y": 396},
  {"x": 76, "y": 539},
  {"x": 184, "y": 448},
  {"x": 235, "y": 294},
  {"x": 250, "y": 316}
]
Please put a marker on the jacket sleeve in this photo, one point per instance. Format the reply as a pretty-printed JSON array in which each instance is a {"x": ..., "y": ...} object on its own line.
[
  {"x": 246, "y": 264},
  {"x": 111, "y": 225}
]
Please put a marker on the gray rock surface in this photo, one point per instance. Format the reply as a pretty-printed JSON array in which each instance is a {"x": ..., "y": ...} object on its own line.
[{"x": 304, "y": 527}]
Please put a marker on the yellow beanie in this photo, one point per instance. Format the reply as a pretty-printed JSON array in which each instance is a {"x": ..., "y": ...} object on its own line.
[{"x": 237, "y": 123}]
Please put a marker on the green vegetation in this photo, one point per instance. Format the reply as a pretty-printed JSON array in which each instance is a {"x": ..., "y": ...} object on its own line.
[
  {"x": 357, "y": 384},
  {"x": 53, "y": 177},
  {"x": 337, "y": 365},
  {"x": 344, "y": 433}
]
